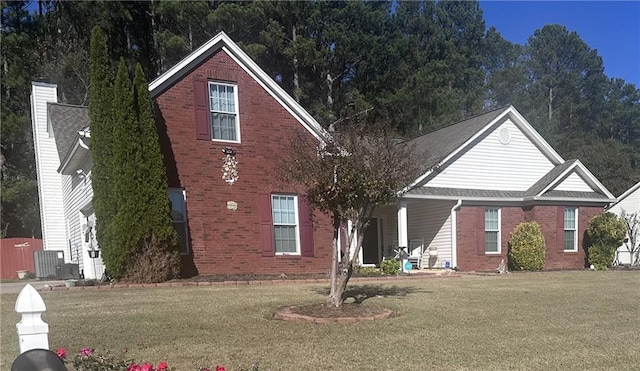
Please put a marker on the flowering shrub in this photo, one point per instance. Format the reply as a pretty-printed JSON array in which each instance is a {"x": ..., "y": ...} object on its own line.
[{"x": 88, "y": 360}]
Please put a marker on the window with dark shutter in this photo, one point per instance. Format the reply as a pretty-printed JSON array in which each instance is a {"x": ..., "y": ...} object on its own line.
[
  {"x": 560, "y": 229},
  {"x": 306, "y": 227},
  {"x": 266, "y": 225},
  {"x": 201, "y": 106},
  {"x": 480, "y": 230}
]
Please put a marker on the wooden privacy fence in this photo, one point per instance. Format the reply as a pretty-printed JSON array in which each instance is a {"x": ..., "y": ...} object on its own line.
[{"x": 16, "y": 254}]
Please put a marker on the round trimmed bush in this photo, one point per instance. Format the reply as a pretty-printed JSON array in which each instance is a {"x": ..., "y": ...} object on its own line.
[
  {"x": 527, "y": 247},
  {"x": 606, "y": 232}
]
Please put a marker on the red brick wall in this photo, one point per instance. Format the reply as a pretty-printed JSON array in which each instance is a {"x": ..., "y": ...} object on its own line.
[
  {"x": 470, "y": 260},
  {"x": 225, "y": 241}
]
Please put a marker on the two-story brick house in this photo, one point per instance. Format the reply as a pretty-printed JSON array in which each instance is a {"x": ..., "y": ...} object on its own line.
[
  {"x": 225, "y": 127},
  {"x": 217, "y": 101}
]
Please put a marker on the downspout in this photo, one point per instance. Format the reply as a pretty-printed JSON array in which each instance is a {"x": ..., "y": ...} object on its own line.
[
  {"x": 82, "y": 144},
  {"x": 454, "y": 231}
]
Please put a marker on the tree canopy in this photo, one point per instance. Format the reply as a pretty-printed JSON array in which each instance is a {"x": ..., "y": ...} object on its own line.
[
  {"x": 362, "y": 166},
  {"x": 420, "y": 64}
]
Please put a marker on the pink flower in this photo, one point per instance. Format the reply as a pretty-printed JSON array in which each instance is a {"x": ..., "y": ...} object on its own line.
[
  {"x": 62, "y": 353},
  {"x": 220, "y": 368},
  {"x": 134, "y": 367},
  {"x": 86, "y": 352},
  {"x": 146, "y": 367},
  {"x": 162, "y": 366}
]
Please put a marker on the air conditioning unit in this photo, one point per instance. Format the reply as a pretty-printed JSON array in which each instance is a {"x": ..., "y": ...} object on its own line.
[
  {"x": 68, "y": 271},
  {"x": 47, "y": 262}
]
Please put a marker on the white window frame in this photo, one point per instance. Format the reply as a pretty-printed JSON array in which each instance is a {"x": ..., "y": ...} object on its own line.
[
  {"x": 297, "y": 224},
  {"x": 236, "y": 113},
  {"x": 184, "y": 250},
  {"x": 499, "y": 232},
  {"x": 574, "y": 229}
]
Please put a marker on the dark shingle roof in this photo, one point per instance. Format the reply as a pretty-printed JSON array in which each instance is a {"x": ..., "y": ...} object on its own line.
[
  {"x": 66, "y": 120},
  {"x": 465, "y": 193},
  {"x": 440, "y": 143},
  {"x": 574, "y": 194}
]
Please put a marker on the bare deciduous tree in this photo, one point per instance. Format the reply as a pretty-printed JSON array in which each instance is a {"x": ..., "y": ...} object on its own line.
[
  {"x": 362, "y": 166},
  {"x": 632, "y": 242}
]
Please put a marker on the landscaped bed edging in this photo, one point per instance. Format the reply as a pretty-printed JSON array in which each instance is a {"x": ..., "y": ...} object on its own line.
[
  {"x": 287, "y": 314},
  {"x": 241, "y": 282}
]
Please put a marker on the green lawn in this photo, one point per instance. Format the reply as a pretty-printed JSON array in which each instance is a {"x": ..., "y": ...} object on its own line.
[{"x": 558, "y": 320}]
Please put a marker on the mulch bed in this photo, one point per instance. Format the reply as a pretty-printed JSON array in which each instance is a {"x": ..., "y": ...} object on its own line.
[
  {"x": 322, "y": 313},
  {"x": 345, "y": 310}
]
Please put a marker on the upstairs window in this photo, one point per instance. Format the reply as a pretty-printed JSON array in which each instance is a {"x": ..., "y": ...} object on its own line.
[
  {"x": 570, "y": 229},
  {"x": 224, "y": 112},
  {"x": 492, "y": 231}
]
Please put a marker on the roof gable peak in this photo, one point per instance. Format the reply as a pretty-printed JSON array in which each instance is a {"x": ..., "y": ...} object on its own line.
[{"x": 223, "y": 42}]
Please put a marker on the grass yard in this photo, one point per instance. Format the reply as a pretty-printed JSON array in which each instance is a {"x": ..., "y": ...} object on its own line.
[{"x": 554, "y": 320}]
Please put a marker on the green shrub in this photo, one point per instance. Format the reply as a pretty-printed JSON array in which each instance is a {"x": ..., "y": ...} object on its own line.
[
  {"x": 367, "y": 271},
  {"x": 390, "y": 266},
  {"x": 605, "y": 233},
  {"x": 527, "y": 247}
]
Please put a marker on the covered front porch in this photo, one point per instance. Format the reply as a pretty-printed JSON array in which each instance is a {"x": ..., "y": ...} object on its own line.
[{"x": 425, "y": 228}]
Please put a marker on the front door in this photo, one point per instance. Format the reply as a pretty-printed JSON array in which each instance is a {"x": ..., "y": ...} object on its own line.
[{"x": 370, "y": 243}]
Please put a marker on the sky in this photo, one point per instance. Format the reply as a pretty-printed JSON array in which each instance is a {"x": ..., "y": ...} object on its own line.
[{"x": 610, "y": 27}]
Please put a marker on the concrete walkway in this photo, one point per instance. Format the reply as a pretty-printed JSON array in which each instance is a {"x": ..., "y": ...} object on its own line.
[{"x": 15, "y": 287}]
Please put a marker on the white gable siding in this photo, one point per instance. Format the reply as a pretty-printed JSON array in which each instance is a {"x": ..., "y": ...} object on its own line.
[
  {"x": 431, "y": 221},
  {"x": 490, "y": 164},
  {"x": 573, "y": 183},
  {"x": 630, "y": 204},
  {"x": 54, "y": 235}
]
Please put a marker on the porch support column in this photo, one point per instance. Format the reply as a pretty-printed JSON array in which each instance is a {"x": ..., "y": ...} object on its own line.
[{"x": 403, "y": 240}]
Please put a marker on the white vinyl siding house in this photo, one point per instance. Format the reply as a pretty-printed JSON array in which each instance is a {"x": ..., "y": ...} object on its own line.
[
  {"x": 629, "y": 202},
  {"x": 489, "y": 162},
  {"x": 54, "y": 233},
  {"x": 78, "y": 196},
  {"x": 496, "y": 164}
]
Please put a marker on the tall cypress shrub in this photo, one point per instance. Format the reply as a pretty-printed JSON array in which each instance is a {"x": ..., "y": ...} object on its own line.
[
  {"x": 125, "y": 157},
  {"x": 104, "y": 201},
  {"x": 157, "y": 258},
  {"x": 134, "y": 227}
]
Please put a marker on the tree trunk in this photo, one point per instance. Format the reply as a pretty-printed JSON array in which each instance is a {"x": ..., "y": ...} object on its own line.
[
  {"x": 296, "y": 78},
  {"x": 336, "y": 299},
  {"x": 550, "y": 103},
  {"x": 329, "y": 81},
  {"x": 339, "y": 281},
  {"x": 334, "y": 264}
]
